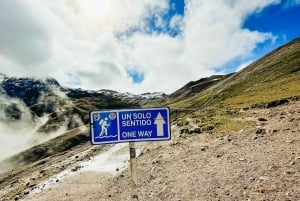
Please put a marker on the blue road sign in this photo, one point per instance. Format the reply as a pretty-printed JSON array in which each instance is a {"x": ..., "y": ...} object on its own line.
[{"x": 113, "y": 126}]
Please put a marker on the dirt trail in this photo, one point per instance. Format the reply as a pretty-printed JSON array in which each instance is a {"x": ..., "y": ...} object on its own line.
[
  {"x": 86, "y": 181},
  {"x": 262, "y": 163}
]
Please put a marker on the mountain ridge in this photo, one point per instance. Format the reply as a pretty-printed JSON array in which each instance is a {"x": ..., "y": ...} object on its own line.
[{"x": 280, "y": 65}]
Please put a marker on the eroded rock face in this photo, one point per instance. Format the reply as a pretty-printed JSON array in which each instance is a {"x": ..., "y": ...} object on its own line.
[{"x": 12, "y": 112}]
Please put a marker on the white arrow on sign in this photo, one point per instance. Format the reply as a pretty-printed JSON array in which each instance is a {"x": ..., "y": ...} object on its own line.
[{"x": 159, "y": 121}]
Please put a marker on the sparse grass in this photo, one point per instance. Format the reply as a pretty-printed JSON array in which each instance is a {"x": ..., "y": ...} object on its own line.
[
  {"x": 192, "y": 102},
  {"x": 282, "y": 88},
  {"x": 221, "y": 120},
  {"x": 15, "y": 191},
  {"x": 228, "y": 124}
]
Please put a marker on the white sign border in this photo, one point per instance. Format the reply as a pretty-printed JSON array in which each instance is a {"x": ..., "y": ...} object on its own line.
[{"x": 92, "y": 136}]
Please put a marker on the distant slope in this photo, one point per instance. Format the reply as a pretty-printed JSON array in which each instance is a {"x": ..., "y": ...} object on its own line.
[
  {"x": 274, "y": 77},
  {"x": 197, "y": 87}
]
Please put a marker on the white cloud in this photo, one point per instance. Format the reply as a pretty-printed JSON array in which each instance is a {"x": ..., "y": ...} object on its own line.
[
  {"x": 82, "y": 45},
  {"x": 291, "y": 3},
  {"x": 18, "y": 135},
  {"x": 21, "y": 32},
  {"x": 176, "y": 22},
  {"x": 243, "y": 65}
]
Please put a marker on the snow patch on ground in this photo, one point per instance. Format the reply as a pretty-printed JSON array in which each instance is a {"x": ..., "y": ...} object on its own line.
[
  {"x": 108, "y": 162},
  {"x": 52, "y": 181},
  {"x": 111, "y": 162}
]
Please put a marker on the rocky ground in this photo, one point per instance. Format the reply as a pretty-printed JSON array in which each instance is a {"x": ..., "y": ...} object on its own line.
[{"x": 260, "y": 163}]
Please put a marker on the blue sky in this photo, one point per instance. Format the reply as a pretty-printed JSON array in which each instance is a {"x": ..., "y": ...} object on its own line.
[
  {"x": 282, "y": 20},
  {"x": 176, "y": 8},
  {"x": 140, "y": 46}
]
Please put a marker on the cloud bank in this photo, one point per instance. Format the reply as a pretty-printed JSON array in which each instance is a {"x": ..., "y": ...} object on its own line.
[{"x": 104, "y": 44}]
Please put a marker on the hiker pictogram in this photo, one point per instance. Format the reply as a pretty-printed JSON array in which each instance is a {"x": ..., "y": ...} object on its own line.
[{"x": 106, "y": 123}]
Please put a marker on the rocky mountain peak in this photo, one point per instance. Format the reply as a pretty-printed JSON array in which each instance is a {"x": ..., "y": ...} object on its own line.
[{"x": 27, "y": 89}]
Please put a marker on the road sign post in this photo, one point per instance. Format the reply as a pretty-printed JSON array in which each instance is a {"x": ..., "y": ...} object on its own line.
[
  {"x": 132, "y": 152},
  {"x": 134, "y": 125}
]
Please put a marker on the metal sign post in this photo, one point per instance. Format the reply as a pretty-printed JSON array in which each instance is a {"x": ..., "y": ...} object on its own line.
[
  {"x": 134, "y": 125},
  {"x": 132, "y": 151}
]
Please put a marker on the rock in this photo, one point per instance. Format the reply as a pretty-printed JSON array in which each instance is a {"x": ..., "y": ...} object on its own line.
[
  {"x": 276, "y": 103},
  {"x": 292, "y": 163},
  {"x": 261, "y": 190},
  {"x": 242, "y": 159},
  {"x": 288, "y": 172},
  {"x": 197, "y": 130},
  {"x": 262, "y": 119},
  {"x": 75, "y": 169},
  {"x": 291, "y": 120},
  {"x": 203, "y": 148},
  {"x": 219, "y": 155},
  {"x": 264, "y": 178},
  {"x": 261, "y": 131},
  {"x": 155, "y": 161},
  {"x": 184, "y": 130},
  {"x": 26, "y": 192},
  {"x": 209, "y": 128},
  {"x": 251, "y": 179}
]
